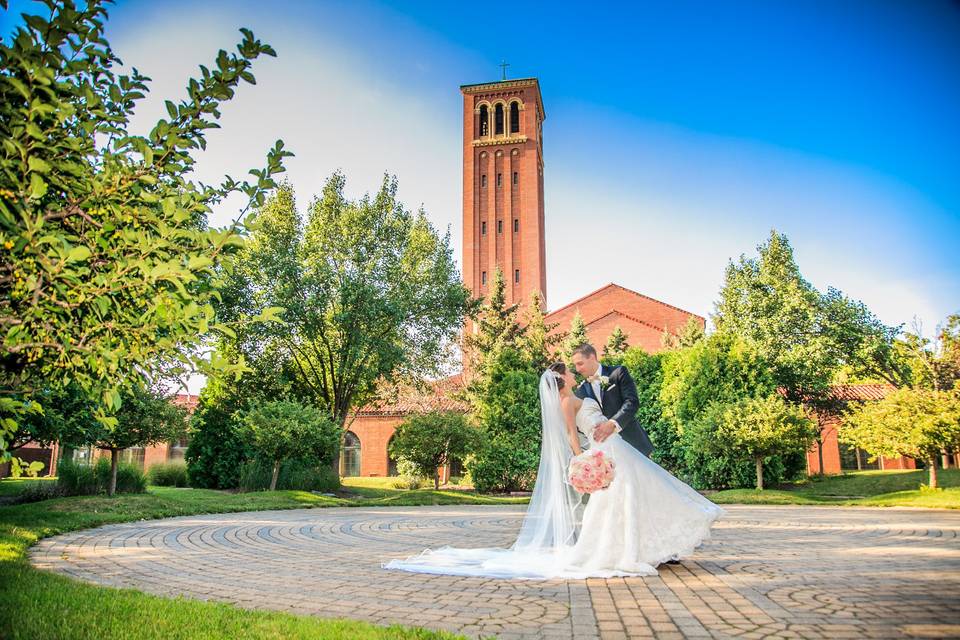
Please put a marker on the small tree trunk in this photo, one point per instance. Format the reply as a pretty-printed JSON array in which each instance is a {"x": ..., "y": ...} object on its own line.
[
  {"x": 114, "y": 461},
  {"x": 436, "y": 479},
  {"x": 759, "y": 461},
  {"x": 932, "y": 463},
  {"x": 276, "y": 474},
  {"x": 859, "y": 461},
  {"x": 820, "y": 455}
]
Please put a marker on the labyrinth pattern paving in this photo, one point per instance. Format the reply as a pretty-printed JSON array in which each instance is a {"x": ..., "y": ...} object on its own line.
[{"x": 768, "y": 572}]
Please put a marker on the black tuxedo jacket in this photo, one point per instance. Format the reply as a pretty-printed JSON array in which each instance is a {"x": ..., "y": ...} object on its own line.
[{"x": 620, "y": 403}]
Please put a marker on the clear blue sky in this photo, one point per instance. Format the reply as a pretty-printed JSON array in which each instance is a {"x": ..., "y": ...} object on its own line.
[{"x": 677, "y": 133}]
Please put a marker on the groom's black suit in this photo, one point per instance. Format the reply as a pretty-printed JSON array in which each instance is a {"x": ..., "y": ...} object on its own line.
[{"x": 620, "y": 402}]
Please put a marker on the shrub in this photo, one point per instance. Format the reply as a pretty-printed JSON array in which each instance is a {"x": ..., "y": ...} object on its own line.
[
  {"x": 408, "y": 478},
  {"x": 82, "y": 479},
  {"x": 430, "y": 440},
  {"x": 168, "y": 474},
  {"x": 216, "y": 451},
  {"x": 295, "y": 474},
  {"x": 281, "y": 430}
]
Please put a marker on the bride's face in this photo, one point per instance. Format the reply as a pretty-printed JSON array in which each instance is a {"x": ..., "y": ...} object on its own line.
[{"x": 569, "y": 379}]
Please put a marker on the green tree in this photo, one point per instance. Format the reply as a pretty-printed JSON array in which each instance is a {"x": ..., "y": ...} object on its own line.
[
  {"x": 762, "y": 427},
  {"x": 616, "y": 347},
  {"x": 538, "y": 342},
  {"x": 217, "y": 449},
  {"x": 146, "y": 417},
  {"x": 370, "y": 292},
  {"x": 429, "y": 441},
  {"x": 576, "y": 336},
  {"x": 934, "y": 363},
  {"x": 919, "y": 423},
  {"x": 280, "y": 430},
  {"x": 109, "y": 270},
  {"x": 805, "y": 336}
]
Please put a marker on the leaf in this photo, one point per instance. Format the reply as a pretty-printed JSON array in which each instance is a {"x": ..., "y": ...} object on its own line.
[
  {"x": 38, "y": 187},
  {"x": 38, "y": 164},
  {"x": 78, "y": 253}
]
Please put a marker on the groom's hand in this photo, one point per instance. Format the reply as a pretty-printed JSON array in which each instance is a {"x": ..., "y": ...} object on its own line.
[{"x": 603, "y": 431}]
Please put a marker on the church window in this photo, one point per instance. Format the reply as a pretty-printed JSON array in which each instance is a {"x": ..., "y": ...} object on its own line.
[
  {"x": 350, "y": 455},
  {"x": 483, "y": 278},
  {"x": 516, "y": 225},
  {"x": 516, "y": 275},
  {"x": 515, "y": 117},
  {"x": 498, "y": 120},
  {"x": 499, "y": 179},
  {"x": 484, "y": 121},
  {"x": 483, "y": 180},
  {"x": 499, "y": 226},
  {"x": 516, "y": 177},
  {"x": 483, "y": 228}
]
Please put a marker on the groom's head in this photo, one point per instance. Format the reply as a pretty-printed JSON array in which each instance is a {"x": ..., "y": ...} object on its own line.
[{"x": 585, "y": 360}]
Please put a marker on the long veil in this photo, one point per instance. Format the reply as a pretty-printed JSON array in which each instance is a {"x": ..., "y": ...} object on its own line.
[
  {"x": 549, "y": 527},
  {"x": 553, "y": 515}
]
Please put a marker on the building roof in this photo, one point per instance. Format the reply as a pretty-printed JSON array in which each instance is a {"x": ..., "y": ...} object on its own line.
[
  {"x": 626, "y": 290},
  {"x": 439, "y": 395},
  {"x": 860, "y": 392},
  {"x": 187, "y": 401}
]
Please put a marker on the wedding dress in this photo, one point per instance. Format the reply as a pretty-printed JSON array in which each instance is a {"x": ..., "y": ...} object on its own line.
[{"x": 644, "y": 518}]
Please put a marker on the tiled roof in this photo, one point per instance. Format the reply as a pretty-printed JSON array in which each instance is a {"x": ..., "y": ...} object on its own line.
[
  {"x": 186, "y": 400},
  {"x": 613, "y": 285},
  {"x": 402, "y": 400},
  {"x": 860, "y": 392}
]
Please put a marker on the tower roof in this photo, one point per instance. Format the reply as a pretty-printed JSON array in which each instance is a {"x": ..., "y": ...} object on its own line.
[{"x": 507, "y": 84}]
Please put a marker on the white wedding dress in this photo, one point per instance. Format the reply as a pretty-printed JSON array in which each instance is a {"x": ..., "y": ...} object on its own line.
[{"x": 644, "y": 518}]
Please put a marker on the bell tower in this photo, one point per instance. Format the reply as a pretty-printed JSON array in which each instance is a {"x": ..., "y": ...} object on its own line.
[{"x": 503, "y": 188}]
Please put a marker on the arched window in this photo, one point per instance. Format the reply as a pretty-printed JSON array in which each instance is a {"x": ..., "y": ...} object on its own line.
[
  {"x": 350, "y": 455},
  {"x": 498, "y": 120},
  {"x": 514, "y": 117},
  {"x": 484, "y": 120},
  {"x": 391, "y": 461}
]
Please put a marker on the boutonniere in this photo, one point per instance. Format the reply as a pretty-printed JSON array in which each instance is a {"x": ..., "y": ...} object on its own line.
[{"x": 604, "y": 382}]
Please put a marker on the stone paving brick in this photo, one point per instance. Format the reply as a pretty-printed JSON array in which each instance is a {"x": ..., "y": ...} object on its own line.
[{"x": 768, "y": 572}]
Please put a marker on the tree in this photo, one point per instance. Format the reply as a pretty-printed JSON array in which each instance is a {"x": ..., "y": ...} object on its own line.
[
  {"x": 429, "y": 441},
  {"x": 763, "y": 427},
  {"x": 284, "y": 429},
  {"x": 217, "y": 449},
  {"x": 370, "y": 292},
  {"x": 933, "y": 363},
  {"x": 109, "y": 268},
  {"x": 146, "y": 416},
  {"x": 538, "y": 340},
  {"x": 918, "y": 423},
  {"x": 807, "y": 337},
  {"x": 576, "y": 336},
  {"x": 616, "y": 346}
]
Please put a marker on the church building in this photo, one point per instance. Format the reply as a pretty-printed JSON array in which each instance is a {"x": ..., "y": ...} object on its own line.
[{"x": 504, "y": 227}]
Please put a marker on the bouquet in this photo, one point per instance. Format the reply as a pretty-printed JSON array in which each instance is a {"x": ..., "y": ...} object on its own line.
[{"x": 590, "y": 471}]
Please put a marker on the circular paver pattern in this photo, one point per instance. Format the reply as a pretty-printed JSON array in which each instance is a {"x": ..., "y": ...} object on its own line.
[{"x": 777, "y": 572}]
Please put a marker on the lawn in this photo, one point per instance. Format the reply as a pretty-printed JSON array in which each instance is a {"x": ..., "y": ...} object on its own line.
[
  {"x": 861, "y": 488},
  {"x": 39, "y": 604}
]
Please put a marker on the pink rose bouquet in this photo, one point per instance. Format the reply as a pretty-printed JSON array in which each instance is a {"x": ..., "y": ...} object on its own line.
[{"x": 591, "y": 471}]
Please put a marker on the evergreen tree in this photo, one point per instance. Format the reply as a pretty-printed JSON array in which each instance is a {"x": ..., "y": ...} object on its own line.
[
  {"x": 539, "y": 342},
  {"x": 576, "y": 336},
  {"x": 616, "y": 347}
]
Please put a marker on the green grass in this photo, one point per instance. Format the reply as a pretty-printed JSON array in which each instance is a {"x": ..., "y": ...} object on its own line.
[
  {"x": 861, "y": 488},
  {"x": 38, "y": 604},
  {"x": 10, "y": 486}
]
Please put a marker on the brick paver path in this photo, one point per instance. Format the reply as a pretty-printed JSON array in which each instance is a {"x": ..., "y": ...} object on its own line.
[{"x": 777, "y": 572}]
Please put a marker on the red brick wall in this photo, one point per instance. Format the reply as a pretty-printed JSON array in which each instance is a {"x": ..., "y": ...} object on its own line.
[
  {"x": 374, "y": 433},
  {"x": 831, "y": 450}
]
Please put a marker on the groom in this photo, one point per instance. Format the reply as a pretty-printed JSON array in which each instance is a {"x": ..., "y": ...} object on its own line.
[{"x": 615, "y": 391}]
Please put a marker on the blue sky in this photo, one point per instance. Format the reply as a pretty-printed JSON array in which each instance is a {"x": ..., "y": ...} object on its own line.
[{"x": 677, "y": 133}]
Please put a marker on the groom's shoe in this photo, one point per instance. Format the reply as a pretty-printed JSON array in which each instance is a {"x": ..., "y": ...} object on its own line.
[{"x": 673, "y": 562}]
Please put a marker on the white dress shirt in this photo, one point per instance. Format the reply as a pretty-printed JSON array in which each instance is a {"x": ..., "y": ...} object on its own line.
[{"x": 598, "y": 393}]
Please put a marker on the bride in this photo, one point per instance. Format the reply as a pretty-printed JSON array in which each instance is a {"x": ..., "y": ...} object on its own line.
[{"x": 645, "y": 517}]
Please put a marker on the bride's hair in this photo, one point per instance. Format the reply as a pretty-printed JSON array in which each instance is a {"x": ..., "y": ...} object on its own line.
[{"x": 560, "y": 369}]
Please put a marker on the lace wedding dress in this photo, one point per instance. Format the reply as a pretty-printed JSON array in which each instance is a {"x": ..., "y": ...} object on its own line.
[{"x": 644, "y": 518}]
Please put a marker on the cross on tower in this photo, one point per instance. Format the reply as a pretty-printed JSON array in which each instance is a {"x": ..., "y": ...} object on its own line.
[{"x": 503, "y": 69}]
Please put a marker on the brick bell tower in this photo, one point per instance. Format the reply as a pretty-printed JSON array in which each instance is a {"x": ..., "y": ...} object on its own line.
[{"x": 503, "y": 188}]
